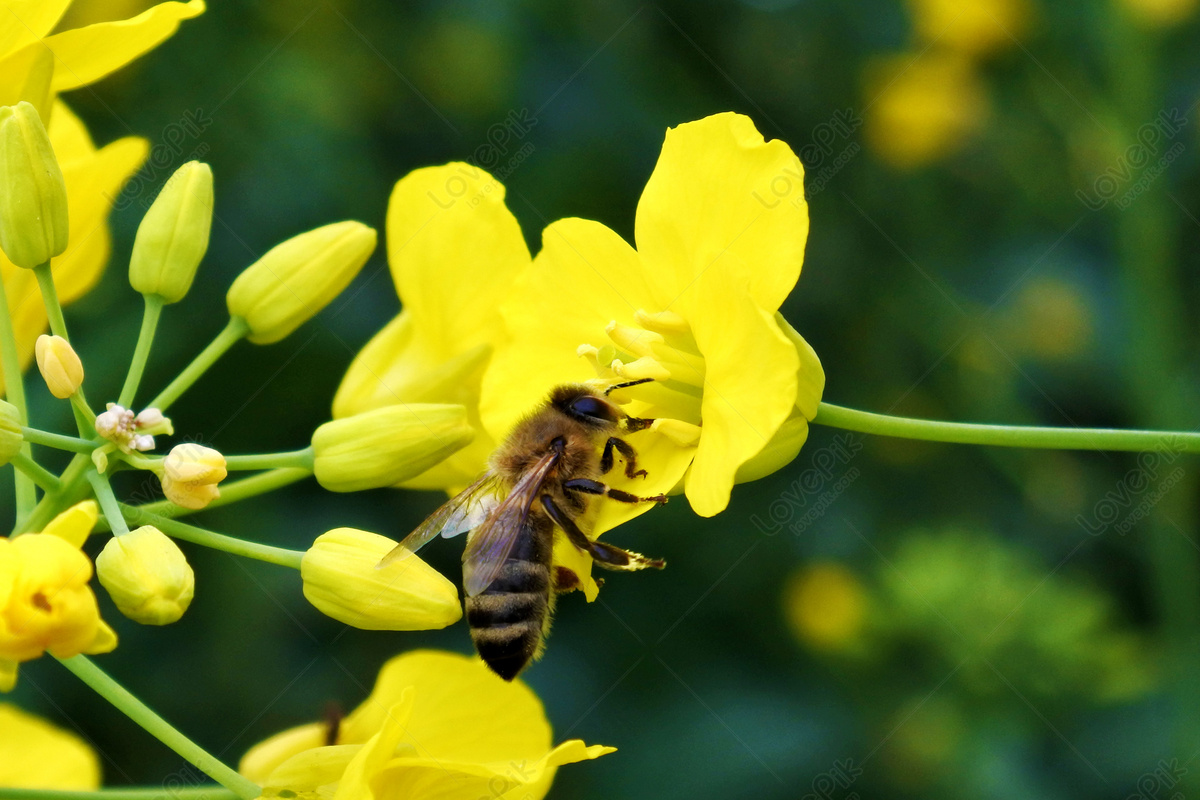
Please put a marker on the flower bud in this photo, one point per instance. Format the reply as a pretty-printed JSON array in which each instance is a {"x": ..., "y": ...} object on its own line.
[
  {"x": 11, "y": 436},
  {"x": 173, "y": 236},
  {"x": 33, "y": 197},
  {"x": 299, "y": 277},
  {"x": 387, "y": 446},
  {"x": 191, "y": 473},
  {"x": 147, "y": 576},
  {"x": 344, "y": 579},
  {"x": 59, "y": 364}
]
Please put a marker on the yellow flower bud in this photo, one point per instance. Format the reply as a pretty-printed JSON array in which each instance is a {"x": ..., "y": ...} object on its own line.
[
  {"x": 33, "y": 198},
  {"x": 147, "y": 576},
  {"x": 191, "y": 473},
  {"x": 59, "y": 364},
  {"x": 11, "y": 437},
  {"x": 343, "y": 578},
  {"x": 173, "y": 236},
  {"x": 299, "y": 277},
  {"x": 387, "y": 446}
]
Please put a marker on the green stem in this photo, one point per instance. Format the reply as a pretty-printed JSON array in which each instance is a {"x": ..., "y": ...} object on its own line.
[
  {"x": 14, "y": 390},
  {"x": 120, "y": 793},
  {"x": 217, "y": 541},
  {"x": 36, "y": 472},
  {"x": 231, "y": 492},
  {"x": 1007, "y": 435},
  {"x": 296, "y": 459},
  {"x": 159, "y": 728},
  {"x": 227, "y": 338},
  {"x": 71, "y": 491},
  {"x": 71, "y": 443},
  {"x": 141, "y": 353},
  {"x": 58, "y": 325},
  {"x": 108, "y": 503}
]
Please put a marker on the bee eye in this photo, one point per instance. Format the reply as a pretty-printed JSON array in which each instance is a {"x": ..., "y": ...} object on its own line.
[{"x": 593, "y": 407}]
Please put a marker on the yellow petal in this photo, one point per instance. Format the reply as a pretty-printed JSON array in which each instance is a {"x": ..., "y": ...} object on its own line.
[
  {"x": 356, "y": 782},
  {"x": 448, "y": 229},
  {"x": 262, "y": 759},
  {"x": 38, "y": 755},
  {"x": 462, "y": 711},
  {"x": 750, "y": 385},
  {"x": 316, "y": 770},
  {"x": 25, "y": 21},
  {"x": 75, "y": 524},
  {"x": 68, "y": 134},
  {"x": 85, "y": 55},
  {"x": 718, "y": 189},
  {"x": 585, "y": 277},
  {"x": 27, "y": 73},
  {"x": 105, "y": 640}
]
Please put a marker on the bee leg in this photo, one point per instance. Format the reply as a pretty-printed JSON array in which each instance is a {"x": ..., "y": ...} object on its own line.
[
  {"x": 627, "y": 452},
  {"x": 626, "y": 385},
  {"x": 589, "y": 486},
  {"x": 635, "y": 424},
  {"x": 603, "y": 553}
]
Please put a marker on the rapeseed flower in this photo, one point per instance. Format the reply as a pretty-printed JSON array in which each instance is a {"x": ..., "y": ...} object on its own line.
[
  {"x": 975, "y": 28},
  {"x": 59, "y": 364},
  {"x": 38, "y": 755},
  {"x": 190, "y": 474},
  {"x": 435, "y": 725},
  {"x": 45, "y": 600},
  {"x": 147, "y": 576},
  {"x": 35, "y": 66}
]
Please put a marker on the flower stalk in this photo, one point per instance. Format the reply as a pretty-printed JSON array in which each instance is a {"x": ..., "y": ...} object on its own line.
[
  {"x": 14, "y": 390},
  {"x": 141, "y": 353},
  {"x": 159, "y": 728},
  {"x": 230, "y": 335},
  {"x": 206, "y": 538}
]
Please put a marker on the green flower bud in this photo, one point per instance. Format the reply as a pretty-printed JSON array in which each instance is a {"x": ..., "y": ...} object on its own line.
[
  {"x": 11, "y": 437},
  {"x": 173, "y": 236},
  {"x": 297, "y": 278},
  {"x": 344, "y": 579},
  {"x": 33, "y": 198},
  {"x": 147, "y": 576},
  {"x": 388, "y": 445}
]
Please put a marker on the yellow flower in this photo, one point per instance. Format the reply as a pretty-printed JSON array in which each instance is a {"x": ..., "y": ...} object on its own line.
[
  {"x": 191, "y": 473},
  {"x": 721, "y": 229},
  {"x": 1160, "y": 13},
  {"x": 35, "y": 66},
  {"x": 435, "y": 725},
  {"x": 45, "y": 600},
  {"x": 923, "y": 107},
  {"x": 59, "y": 364},
  {"x": 454, "y": 250},
  {"x": 38, "y": 755},
  {"x": 343, "y": 579},
  {"x": 970, "y": 27},
  {"x": 147, "y": 576},
  {"x": 826, "y": 605}
]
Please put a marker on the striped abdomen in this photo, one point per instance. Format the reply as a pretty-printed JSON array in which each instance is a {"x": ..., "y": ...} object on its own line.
[{"x": 509, "y": 618}]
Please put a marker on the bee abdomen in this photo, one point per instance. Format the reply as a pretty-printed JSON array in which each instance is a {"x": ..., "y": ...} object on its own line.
[{"x": 508, "y": 620}]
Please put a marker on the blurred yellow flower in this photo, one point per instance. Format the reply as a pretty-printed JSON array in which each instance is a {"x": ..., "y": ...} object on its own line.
[
  {"x": 45, "y": 600},
  {"x": 970, "y": 27},
  {"x": 1160, "y": 13},
  {"x": 826, "y": 605},
  {"x": 38, "y": 755},
  {"x": 436, "y": 725},
  {"x": 35, "y": 66},
  {"x": 454, "y": 250},
  {"x": 923, "y": 107}
]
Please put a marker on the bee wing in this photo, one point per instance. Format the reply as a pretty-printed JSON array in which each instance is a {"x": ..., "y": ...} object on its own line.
[
  {"x": 466, "y": 510},
  {"x": 492, "y": 542}
]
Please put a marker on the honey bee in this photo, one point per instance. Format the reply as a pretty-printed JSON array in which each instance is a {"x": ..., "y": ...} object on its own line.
[{"x": 539, "y": 480}]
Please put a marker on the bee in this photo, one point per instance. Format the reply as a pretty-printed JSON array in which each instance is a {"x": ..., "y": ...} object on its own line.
[{"x": 539, "y": 481}]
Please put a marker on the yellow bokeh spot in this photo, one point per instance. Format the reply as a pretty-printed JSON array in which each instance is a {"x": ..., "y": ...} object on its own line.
[
  {"x": 1160, "y": 13},
  {"x": 974, "y": 28},
  {"x": 826, "y": 606}
]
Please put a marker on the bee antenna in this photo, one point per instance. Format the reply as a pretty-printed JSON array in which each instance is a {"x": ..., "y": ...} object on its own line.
[{"x": 626, "y": 385}]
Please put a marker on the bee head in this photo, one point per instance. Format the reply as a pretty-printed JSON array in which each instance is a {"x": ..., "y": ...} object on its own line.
[{"x": 583, "y": 405}]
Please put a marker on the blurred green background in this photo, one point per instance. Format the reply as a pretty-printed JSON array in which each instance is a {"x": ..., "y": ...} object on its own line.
[{"x": 917, "y": 620}]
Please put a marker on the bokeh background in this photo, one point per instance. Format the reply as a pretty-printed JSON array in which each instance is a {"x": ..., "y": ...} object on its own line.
[{"x": 991, "y": 241}]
